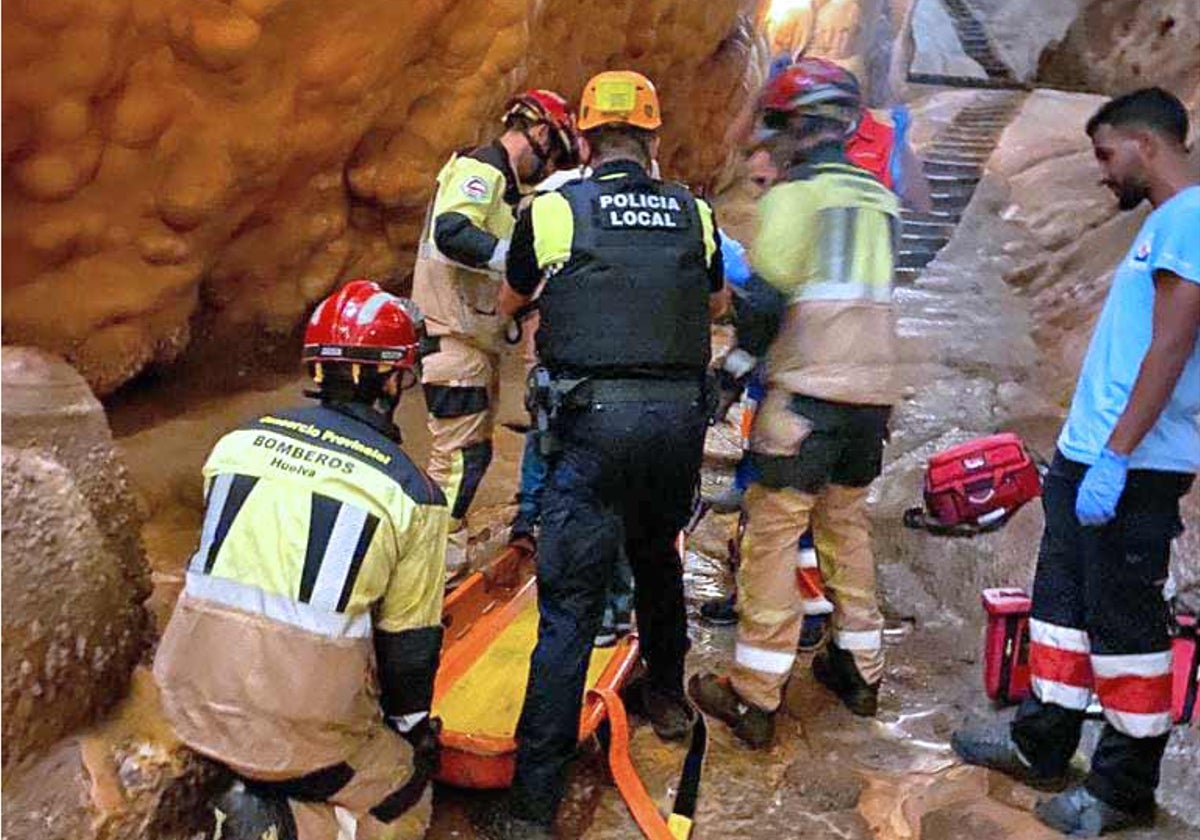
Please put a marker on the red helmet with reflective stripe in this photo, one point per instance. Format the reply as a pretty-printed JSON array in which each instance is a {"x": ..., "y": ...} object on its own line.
[
  {"x": 548, "y": 108},
  {"x": 361, "y": 323},
  {"x": 810, "y": 87}
]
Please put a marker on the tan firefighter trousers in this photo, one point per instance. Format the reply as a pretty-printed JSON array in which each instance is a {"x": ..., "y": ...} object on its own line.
[
  {"x": 770, "y": 606},
  {"x": 462, "y": 391}
]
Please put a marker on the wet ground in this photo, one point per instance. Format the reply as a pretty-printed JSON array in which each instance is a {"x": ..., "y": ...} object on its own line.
[{"x": 830, "y": 775}]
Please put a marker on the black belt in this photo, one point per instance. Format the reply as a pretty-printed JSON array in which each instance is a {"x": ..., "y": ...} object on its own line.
[{"x": 595, "y": 391}]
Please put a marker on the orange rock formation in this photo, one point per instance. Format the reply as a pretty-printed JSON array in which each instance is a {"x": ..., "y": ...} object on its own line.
[{"x": 174, "y": 164}]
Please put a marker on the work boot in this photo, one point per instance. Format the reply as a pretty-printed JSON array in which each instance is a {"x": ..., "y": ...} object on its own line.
[
  {"x": 500, "y": 823},
  {"x": 720, "y": 612},
  {"x": 728, "y": 500},
  {"x": 813, "y": 633},
  {"x": 670, "y": 714},
  {"x": 715, "y": 696},
  {"x": 834, "y": 668},
  {"x": 993, "y": 747},
  {"x": 1078, "y": 813}
]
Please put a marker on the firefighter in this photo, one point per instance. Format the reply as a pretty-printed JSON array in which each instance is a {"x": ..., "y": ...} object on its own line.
[
  {"x": 459, "y": 267},
  {"x": 824, "y": 249},
  {"x": 632, "y": 273},
  {"x": 1129, "y": 450},
  {"x": 878, "y": 141},
  {"x": 302, "y": 651}
]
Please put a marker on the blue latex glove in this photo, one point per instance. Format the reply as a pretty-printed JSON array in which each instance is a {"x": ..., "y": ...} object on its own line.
[
  {"x": 737, "y": 267},
  {"x": 780, "y": 63},
  {"x": 1101, "y": 488}
]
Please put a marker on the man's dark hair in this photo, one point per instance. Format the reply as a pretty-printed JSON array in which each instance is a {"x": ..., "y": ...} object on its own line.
[
  {"x": 617, "y": 139},
  {"x": 1152, "y": 108}
]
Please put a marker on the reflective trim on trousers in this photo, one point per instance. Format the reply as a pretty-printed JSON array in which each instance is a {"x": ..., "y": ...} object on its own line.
[
  {"x": 1135, "y": 684},
  {"x": 859, "y": 639},
  {"x": 761, "y": 659},
  {"x": 251, "y": 599},
  {"x": 1060, "y": 694},
  {"x": 817, "y": 606},
  {"x": 806, "y": 558},
  {"x": 1139, "y": 725},
  {"x": 1057, "y": 636}
]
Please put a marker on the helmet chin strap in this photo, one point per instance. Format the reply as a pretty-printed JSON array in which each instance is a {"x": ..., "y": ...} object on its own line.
[{"x": 541, "y": 154}]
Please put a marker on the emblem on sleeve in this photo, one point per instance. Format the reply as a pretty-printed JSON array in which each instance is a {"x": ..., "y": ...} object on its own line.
[{"x": 476, "y": 189}]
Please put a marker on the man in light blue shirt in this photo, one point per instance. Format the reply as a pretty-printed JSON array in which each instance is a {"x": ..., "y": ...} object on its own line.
[{"x": 1128, "y": 452}]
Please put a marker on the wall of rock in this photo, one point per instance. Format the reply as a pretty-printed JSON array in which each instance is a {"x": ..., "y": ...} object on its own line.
[
  {"x": 1107, "y": 46},
  {"x": 183, "y": 169},
  {"x": 74, "y": 576}
]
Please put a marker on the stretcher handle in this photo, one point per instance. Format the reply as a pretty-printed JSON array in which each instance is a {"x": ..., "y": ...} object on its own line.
[{"x": 645, "y": 813}]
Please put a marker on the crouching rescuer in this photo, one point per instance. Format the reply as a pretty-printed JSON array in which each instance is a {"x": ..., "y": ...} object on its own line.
[
  {"x": 302, "y": 652},
  {"x": 821, "y": 301}
]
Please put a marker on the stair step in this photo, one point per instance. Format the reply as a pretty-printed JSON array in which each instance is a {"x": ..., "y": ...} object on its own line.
[
  {"x": 959, "y": 149},
  {"x": 966, "y": 136},
  {"x": 926, "y": 231},
  {"x": 906, "y": 275},
  {"x": 931, "y": 244},
  {"x": 938, "y": 166},
  {"x": 940, "y": 179},
  {"x": 990, "y": 83},
  {"x": 914, "y": 259}
]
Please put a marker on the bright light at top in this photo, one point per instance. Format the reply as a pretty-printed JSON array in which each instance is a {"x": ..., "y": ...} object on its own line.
[{"x": 781, "y": 10}]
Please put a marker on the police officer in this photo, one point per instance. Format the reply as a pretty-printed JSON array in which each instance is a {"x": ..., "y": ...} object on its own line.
[
  {"x": 455, "y": 281},
  {"x": 632, "y": 273},
  {"x": 825, "y": 252},
  {"x": 321, "y": 563}
]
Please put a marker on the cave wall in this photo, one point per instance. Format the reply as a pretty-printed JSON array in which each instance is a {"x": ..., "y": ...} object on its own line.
[{"x": 194, "y": 171}]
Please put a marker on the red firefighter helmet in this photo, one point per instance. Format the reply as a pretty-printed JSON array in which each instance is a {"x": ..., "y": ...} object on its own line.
[
  {"x": 360, "y": 323},
  {"x": 548, "y": 108},
  {"x": 810, "y": 87}
]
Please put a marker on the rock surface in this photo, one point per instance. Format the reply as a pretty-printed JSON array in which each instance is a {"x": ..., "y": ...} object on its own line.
[
  {"x": 936, "y": 46},
  {"x": 126, "y": 779},
  {"x": 209, "y": 167},
  {"x": 74, "y": 577}
]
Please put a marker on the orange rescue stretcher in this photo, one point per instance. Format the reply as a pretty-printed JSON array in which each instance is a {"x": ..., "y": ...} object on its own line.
[{"x": 491, "y": 629}]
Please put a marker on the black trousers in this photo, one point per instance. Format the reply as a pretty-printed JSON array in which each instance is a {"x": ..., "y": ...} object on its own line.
[
  {"x": 1099, "y": 621},
  {"x": 626, "y": 470}
]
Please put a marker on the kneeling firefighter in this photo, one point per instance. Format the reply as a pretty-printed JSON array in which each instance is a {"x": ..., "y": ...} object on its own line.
[
  {"x": 302, "y": 652},
  {"x": 825, "y": 251},
  {"x": 459, "y": 267},
  {"x": 632, "y": 272}
]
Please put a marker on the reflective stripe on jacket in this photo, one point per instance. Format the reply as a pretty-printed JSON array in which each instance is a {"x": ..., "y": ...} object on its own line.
[{"x": 827, "y": 241}]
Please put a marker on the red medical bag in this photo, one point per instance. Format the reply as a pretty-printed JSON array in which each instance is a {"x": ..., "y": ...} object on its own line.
[
  {"x": 980, "y": 482},
  {"x": 1186, "y": 664},
  {"x": 1006, "y": 648}
]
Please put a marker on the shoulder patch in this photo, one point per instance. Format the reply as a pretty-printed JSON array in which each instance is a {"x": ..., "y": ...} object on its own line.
[
  {"x": 1142, "y": 252},
  {"x": 477, "y": 189}
]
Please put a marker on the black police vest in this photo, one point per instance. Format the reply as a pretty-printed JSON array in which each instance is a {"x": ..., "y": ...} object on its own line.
[{"x": 632, "y": 299}]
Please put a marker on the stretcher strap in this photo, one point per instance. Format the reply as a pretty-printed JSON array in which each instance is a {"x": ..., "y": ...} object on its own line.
[{"x": 678, "y": 826}]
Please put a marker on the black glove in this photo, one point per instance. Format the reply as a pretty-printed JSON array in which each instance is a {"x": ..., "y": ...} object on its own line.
[
  {"x": 426, "y": 752},
  {"x": 732, "y": 375},
  {"x": 423, "y": 738}
]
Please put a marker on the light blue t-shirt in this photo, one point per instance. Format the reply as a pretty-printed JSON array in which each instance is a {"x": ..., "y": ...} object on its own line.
[{"x": 1169, "y": 240}]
